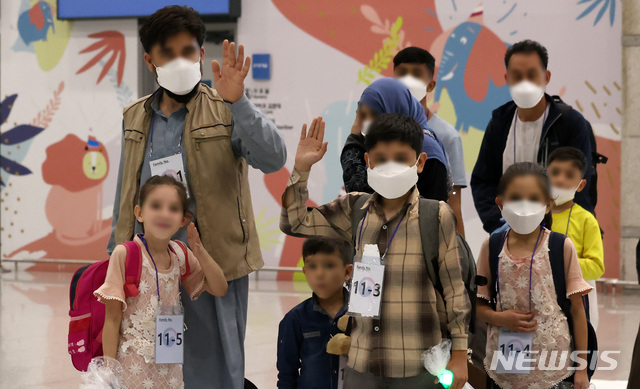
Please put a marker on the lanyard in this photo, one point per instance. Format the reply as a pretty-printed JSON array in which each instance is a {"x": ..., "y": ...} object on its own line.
[
  {"x": 154, "y": 263},
  {"x": 566, "y": 233},
  {"x": 515, "y": 122},
  {"x": 530, "y": 268},
  {"x": 153, "y": 118},
  {"x": 366, "y": 212}
]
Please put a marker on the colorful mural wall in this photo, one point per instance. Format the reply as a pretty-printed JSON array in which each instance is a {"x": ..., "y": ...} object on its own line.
[
  {"x": 324, "y": 53},
  {"x": 64, "y": 85}
]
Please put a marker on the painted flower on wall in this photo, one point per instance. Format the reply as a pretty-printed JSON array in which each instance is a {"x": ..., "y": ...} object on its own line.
[
  {"x": 15, "y": 136},
  {"x": 110, "y": 42},
  {"x": 605, "y": 5}
]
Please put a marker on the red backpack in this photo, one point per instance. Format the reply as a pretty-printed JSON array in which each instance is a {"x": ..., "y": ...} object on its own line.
[{"x": 87, "y": 313}]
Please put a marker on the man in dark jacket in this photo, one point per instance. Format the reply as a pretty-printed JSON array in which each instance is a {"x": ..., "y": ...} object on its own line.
[{"x": 528, "y": 128}]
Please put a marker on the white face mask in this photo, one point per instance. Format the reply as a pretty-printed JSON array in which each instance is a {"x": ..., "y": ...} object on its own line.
[
  {"x": 526, "y": 94},
  {"x": 365, "y": 126},
  {"x": 523, "y": 216},
  {"x": 416, "y": 86},
  {"x": 561, "y": 195},
  {"x": 392, "y": 179},
  {"x": 179, "y": 76}
]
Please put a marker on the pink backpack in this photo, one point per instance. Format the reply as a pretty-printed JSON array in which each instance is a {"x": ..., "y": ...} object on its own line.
[{"x": 87, "y": 313}]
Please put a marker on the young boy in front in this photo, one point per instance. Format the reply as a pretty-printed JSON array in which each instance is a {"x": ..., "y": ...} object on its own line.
[
  {"x": 386, "y": 351},
  {"x": 566, "y": 167},
  {"x": 303, "y": 362}
]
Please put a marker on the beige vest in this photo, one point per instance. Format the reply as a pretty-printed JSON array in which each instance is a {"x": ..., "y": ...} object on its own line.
[{"x": 218, "y": 180}]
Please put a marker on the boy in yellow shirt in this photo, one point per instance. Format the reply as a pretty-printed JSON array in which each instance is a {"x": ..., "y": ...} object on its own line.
[{"x": 566, "y": 167}]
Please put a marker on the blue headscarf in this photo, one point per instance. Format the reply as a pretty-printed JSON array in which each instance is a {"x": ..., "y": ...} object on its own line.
[{"x": 388, "y": 95}]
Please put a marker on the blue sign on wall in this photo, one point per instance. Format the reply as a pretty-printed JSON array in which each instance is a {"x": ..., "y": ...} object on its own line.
[
  {"x": 261, "y": 66},
  {"x": 70, "y": 9}
]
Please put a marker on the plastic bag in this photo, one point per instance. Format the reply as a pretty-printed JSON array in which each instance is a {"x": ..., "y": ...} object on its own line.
[
  {"x": 102, "y": 373},
  {"x": 435, "y": 360}
]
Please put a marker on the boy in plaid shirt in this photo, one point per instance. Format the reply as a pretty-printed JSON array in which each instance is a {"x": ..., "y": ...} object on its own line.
[{"x": 386, "y": 352}]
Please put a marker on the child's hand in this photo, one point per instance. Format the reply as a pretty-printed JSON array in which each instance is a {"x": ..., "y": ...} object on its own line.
[
  {"x": 311, "y": 148},
  {"x": 194, "y": 239},
  {"x": 518, "y": 321},
  {"x": 581, "y": 379},
  {"x": 458, "y": 366}
]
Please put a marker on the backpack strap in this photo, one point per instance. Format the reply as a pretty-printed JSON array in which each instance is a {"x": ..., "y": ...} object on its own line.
[
  {"x": 185, "y": 257},
  {"x": 357, "y": 214},
  {"x": 429, "y": 220},
  {"x": 496, "y": 241},
  {"x": 132, "y": 268},
  {"x": 556, "y": 257}
]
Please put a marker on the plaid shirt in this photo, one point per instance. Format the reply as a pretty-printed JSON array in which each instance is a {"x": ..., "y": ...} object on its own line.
[{"x": 409, "y": 324}]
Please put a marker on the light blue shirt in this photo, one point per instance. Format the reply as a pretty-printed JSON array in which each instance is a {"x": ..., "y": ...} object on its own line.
[
  {"x": 254, "y": 137},
  {"x": 453, "y": 146}
]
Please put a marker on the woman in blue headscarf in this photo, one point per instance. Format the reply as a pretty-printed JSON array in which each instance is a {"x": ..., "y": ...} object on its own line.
[{"x": 388, "y": 95}]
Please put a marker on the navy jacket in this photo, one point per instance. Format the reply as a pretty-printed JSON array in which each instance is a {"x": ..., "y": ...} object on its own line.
[
  {"x": 564, "y": 126},
  {"x": 303, "y": 361}
]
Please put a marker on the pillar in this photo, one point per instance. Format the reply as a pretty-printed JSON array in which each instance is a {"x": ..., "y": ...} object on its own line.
[{"x": 630, "y": 158}]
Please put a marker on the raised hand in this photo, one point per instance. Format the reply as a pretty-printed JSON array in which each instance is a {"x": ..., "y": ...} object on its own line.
[
  {"x": 229, "y": 80},
  {"x": 311, "y": 147},
  {"x": 193, "y": 238}
]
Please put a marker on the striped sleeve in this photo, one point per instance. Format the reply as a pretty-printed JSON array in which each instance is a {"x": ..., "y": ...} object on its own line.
[{"x": 331, "y": 220}]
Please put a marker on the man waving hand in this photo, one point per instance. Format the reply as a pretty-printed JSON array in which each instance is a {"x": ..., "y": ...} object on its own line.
[{"x": 206, "y": 138}]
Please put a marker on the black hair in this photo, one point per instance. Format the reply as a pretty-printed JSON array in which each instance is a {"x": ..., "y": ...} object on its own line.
[
  {"x": 395, "y": 126},
  {"x": 415, "y": 55},
  {"x": 527, "y": 47},
  {"x": 569, "y": 154},
  {"x": 169, "y": 21},
  {"x": 521, "y": 169},
  {"x": 326, "y": 245}
]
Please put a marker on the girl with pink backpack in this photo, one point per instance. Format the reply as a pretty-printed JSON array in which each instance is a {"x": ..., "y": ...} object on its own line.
[{"x": 143, "y": 321}]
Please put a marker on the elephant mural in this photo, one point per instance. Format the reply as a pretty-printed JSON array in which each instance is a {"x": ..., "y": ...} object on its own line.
[{"x": 472, "y": 71}]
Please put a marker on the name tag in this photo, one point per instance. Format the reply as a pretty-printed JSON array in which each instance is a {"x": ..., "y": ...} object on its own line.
[
  {"x": 515, "y": 347},
  {"x": 366, "y": 289},
  {"x": 343, "y": 365},
  {"x": 170, "y": 337},
  {"x": 170, "y": 166}
]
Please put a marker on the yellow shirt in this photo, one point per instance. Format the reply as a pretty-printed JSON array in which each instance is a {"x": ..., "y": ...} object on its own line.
[{"x": 584, "y": 232}]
